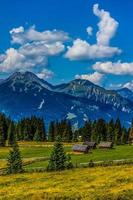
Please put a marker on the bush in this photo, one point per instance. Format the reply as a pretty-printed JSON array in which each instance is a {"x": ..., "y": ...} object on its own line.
[
  {"x": 69, "y": 164},
  {"x": 91, "y": 163}
]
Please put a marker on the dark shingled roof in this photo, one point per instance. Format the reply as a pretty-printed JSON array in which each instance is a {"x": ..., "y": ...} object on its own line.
[
  {"x": 106, "y": 145},
  {"x": 80, "y": 148},
  {"x": 90, "y": 144}
]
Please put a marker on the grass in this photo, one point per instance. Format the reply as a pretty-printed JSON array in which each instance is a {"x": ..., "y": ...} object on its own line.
[
  {"x": 99, "y": 183},
  {"x": 90, "y": 183},
  {"x": 30, "y": 150},
  {"x": 120, "y": 152}
]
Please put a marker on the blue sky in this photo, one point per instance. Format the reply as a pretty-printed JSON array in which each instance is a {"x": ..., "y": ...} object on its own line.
[{"x": 35, "y": 36}]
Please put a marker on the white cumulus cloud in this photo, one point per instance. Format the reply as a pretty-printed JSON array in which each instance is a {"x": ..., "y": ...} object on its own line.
[
  {"x": 45, "y": 74},
  {"x": 83, "y": 50},
  {"x": 20, "y": 35},
  {"x": 96, "y": 77},
  {"x": 128, "y": 85},
  {"x": 17, "y": 30},
  {"x": 34, "y": 49},
  {"x": 107, "y": 26},
  {"x": 116, "y": 68},
  {"x": 89, "y": 30}
]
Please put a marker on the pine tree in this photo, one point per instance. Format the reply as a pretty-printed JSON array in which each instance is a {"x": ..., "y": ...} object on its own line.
[
  {"x": 26, "y": 133},
  {"x": 5, "y": 124},
  {"x": 87, "y": 131},
  {"x": 70, "y": 132},
  {"x": 67, "y": 132},
  {"x": 101, "y": 130},
  {"x": 75, "y": 136},
  {"x": 124, "y": 137},
  {"x": 110, "y": 131},
  {"x": 14, "y": 162},
  {"x": 131, "y": 134},
  {"x": 94, "y": 134},
  {"x": 63, "y": 130},
  {"x": 56, "y": 129},
  {"x": 11, "y": 134},
  {"x": 37, "y": 136},
  {"x": 58, "y": 157},
  {"x": 2, "y": 134},
  {"x": 18, "y": 132},
  {"x": 51, "y": 132},
  {"x": 44, "y": 135},
  {"x": 41, "y": 130},
  {"x": 118, "y": 132}
]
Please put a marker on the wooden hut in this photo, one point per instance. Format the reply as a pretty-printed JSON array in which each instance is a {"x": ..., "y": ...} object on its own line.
[
  {"x": 91, "y": 145},
  {"x": 81, "y": 148},
  {"x": 105, "y": 145}
]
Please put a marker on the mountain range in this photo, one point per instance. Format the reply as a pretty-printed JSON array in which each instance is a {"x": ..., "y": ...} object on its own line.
[{"x": 24, "y": 94}]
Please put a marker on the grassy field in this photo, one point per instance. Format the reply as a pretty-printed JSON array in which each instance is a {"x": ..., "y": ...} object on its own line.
[
  {"x": 32, "y": 150},
  {"x": 100, "y": 183}
]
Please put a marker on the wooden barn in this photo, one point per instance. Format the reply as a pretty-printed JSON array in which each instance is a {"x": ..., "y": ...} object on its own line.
[
  {"x": 91, "y": 145},
  {"x": 80, "y": 148},
  {"x": 105, "y": 145}
]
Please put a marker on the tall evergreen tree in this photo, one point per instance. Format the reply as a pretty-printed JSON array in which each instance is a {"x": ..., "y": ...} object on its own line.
[
  {"x": 56, "y": 129},
  {"x": 18, "y": 132},
  {"x": 37, "y": 136},
  {"x": 2, "y": 133},
  {"x": 110, "y": 131},
  {"x": 70, "y": 132},
  {"x": 131, "y": 134},
  {"x": 5, "y": 124},
  {"x": 67, "y": 132},
  {"x": 14, "y": 162},
  {"x": 101, "y": 130},
  {"x": 124, "y": 137},
  {"x": 51, "y": 132},
  {"x": 44, "y": 135},
  {"x": 11, "y": 134},
  {"x": 41, "y": 130},
  {"x": 94, "y": 134},
  {"x": 118, "y": 131},
  {"x": 75, "y": 136},
  {"x": 26, "y": 132},
  {"x": 58, "y": 158},
  {"x": 87, "y": 131},
  {"x": 62, "y": 130}
]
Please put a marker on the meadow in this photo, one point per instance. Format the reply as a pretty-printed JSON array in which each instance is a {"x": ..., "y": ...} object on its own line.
[
  {"x": 99, "y": 183},
  {"x": 40, "y": 152}
]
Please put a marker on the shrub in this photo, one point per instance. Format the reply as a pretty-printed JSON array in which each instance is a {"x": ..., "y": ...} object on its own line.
[{"x": 91, "y": 163}]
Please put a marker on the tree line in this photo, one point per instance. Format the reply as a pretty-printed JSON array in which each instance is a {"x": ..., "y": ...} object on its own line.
[
  {"x": 33, "y": 129},
  {"x": 27, "y": 129},
  {"x": 97, "y": 130}
]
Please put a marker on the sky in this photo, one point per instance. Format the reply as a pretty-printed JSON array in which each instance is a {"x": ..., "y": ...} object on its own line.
[{"x": 61, "y": 40}]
